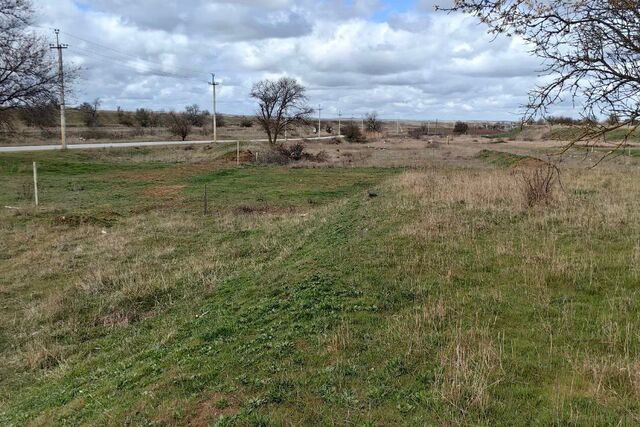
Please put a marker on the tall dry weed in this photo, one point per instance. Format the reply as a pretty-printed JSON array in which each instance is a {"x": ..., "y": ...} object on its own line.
[{"x": 470, "y": 367}]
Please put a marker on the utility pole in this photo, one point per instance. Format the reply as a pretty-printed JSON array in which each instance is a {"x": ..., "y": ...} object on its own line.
[
  {"x": 35, "y": 182},
  {"x": 215, "y": 123},
  {"x": 319, "y": 118},
  {"x": 63, "y": 120},
  {"x": 339, "y": 123}
]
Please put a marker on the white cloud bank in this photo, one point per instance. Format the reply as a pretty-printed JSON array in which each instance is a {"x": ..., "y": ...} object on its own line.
[{"x": 410, "y": 64}]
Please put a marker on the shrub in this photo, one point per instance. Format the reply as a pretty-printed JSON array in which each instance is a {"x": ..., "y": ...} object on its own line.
[
  {"x": 285, "y": 154},
  {"x": 460, "y": 128},
  {"x": 40, "y": 116},
  {"x": 372, "y": 123},
  {"x": 246, "y": 122},
  {"x": 179, "y": 124},
  {"x": 539, "y": 184},
  {"x": 221, "y": 121},
  {"x": 155, "y": 119},
  {"x": 124, "y": 118},
  {"x": 273, "y": 156},
  {"x": 419, "y": 132},
  {"x": 322, "y": 156},
  {"x": 6, "y": 122},
  {"x": 195, "y": 116},
  {"x": 143, "y": 117},
  {"x": 89, "y": 113},
  {"x": 352, "y": 133},
  {"x": 561, "y": 120},
  {"x": 589, "y": 120},
  {"x": 293, "y": 152}
]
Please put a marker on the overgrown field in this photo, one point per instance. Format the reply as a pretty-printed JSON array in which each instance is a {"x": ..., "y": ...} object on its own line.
[{"x": 302, "y": 300}]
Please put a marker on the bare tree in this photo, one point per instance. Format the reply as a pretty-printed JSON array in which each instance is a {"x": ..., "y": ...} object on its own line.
[
  {"x": 195, "y": 115},
  {"x": 372, "y": 123},
  {"x": 281, "y": 103},
  {"x": 90, "y": 113},
  {"x": 179, "y": 124},
  {"x": 590, "y": 50},
  {"x": 28, "y": 75}
]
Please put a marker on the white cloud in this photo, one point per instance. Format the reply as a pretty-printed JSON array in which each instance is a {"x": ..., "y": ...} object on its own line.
[{"x": 414, "y": 64}]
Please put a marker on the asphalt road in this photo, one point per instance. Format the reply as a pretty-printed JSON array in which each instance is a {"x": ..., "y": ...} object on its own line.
[{"x": 28, "y": 148}]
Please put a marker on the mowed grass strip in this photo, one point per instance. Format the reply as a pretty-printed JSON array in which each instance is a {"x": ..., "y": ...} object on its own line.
[{"x": 444, "y": 300}]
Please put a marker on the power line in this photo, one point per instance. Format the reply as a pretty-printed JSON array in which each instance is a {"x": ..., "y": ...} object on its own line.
[
  {"x": 136, "y": 67},
  {"x": 186, "y": 69}
]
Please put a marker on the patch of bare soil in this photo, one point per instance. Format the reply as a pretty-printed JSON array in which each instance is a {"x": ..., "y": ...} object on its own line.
[
  {"x": 213, "y": 408},
  {"x": 166, "y": 192},
  {"x": 246, "y": 156}
]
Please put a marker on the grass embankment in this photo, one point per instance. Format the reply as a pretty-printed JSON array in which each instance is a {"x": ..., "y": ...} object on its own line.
[
  {"x": 301, "y": 300},
  {"x": 570, "y": 133}
]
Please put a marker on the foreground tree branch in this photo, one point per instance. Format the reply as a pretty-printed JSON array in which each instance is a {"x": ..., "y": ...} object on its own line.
[
  {"x": 28, "y": 76},
  {"x": 590, "y": 50}
]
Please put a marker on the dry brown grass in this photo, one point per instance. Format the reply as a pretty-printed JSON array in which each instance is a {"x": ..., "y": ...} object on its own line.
[
  {"x": 611, "y": 378},
  {"x": 456, "y": 205},
  {"x": 539, "y": 185},
  {"x": 340, "y": 339},
  {"x": 470, "y": 367}
]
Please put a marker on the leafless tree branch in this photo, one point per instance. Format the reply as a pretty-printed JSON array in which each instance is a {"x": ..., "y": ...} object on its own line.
[{"x": 590, "y": 50}]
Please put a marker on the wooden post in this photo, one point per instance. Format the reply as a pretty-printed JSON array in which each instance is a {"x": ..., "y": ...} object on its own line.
[
  {"x": 35, "y": 182},
  {"x": 238, "y": 153},
  {"x": 206, "y": 200}
]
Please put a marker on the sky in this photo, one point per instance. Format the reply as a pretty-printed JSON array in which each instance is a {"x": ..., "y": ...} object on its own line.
[{"x": 400, "y": 58}]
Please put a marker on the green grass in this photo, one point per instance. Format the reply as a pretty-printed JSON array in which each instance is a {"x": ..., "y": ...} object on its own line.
[
  {"x": 569, "y": 133},
  {"x": 500, "y": 158},
  {"x": 513, "y": 133},
  {"x": 439, "y": 302}
]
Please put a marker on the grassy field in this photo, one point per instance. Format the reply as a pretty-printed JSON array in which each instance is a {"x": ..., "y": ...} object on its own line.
[{"x": 301, "y": 300}]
